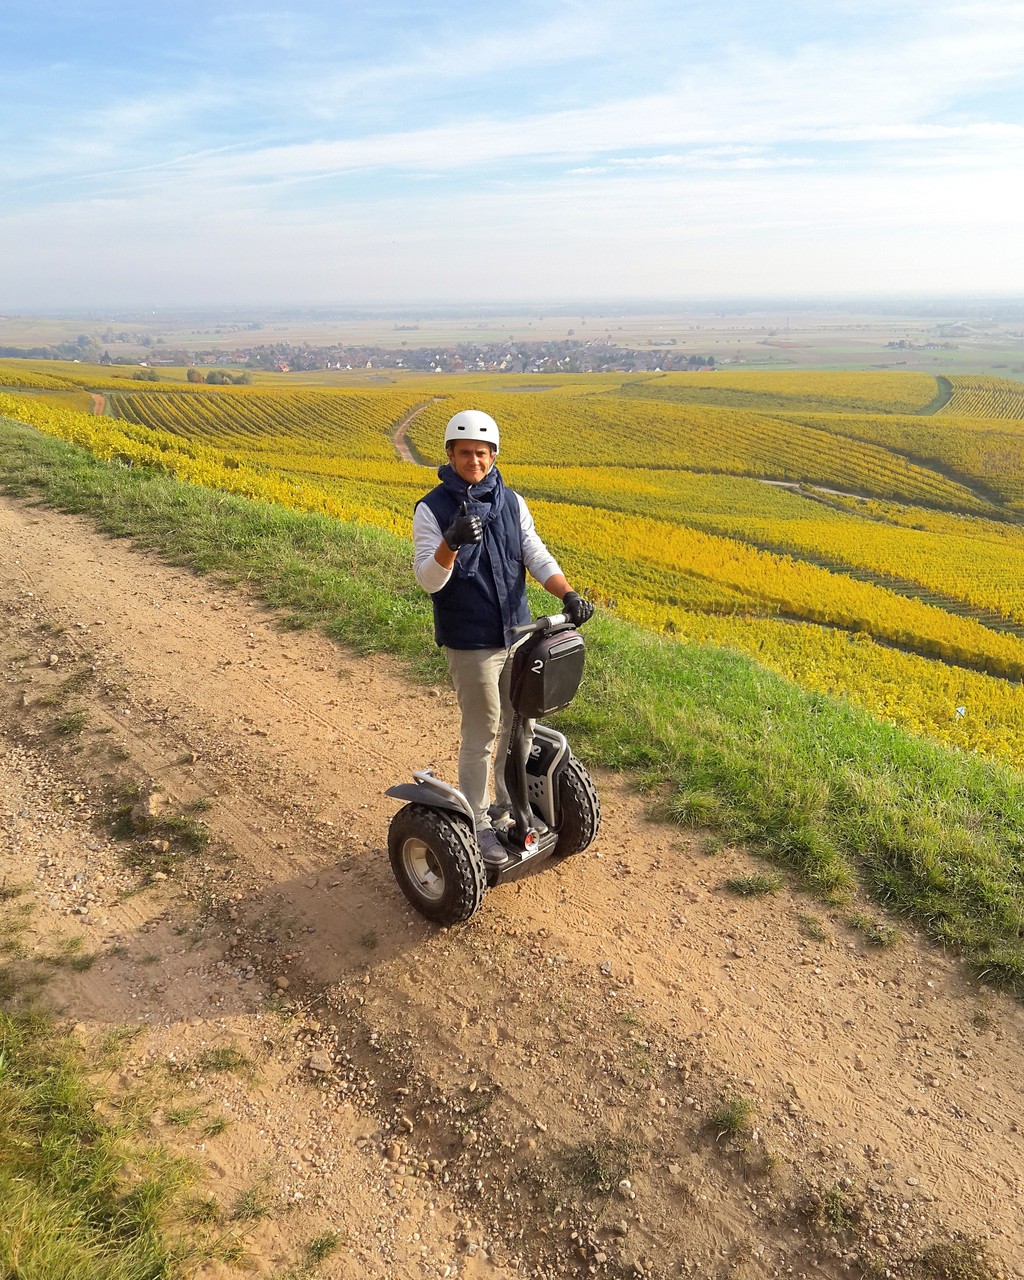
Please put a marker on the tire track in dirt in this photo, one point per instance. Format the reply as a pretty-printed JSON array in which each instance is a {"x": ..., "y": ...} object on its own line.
[{"x": 611, "y": 999}]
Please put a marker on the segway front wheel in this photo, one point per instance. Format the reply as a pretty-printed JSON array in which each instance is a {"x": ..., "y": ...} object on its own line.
[
  {"x": 436, "y": 863},
  {"x": 579, "y": 809}
]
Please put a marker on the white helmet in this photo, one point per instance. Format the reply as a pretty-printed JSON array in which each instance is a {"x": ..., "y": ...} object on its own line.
[{"x": 471, "y": 424}]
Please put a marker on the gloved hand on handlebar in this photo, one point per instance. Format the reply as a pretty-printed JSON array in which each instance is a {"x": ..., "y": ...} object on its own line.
[
  {"x": 577, "y": 608},
  {"x": 464, "y": 528}
]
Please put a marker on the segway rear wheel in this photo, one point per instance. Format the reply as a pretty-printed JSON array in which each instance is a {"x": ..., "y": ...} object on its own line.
[
  {"x": 579, "y": 809},
  {"x": 436, "y": 863}
]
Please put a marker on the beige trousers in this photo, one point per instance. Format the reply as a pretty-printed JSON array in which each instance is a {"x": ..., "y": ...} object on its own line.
[{"x": 483, "y": 681}]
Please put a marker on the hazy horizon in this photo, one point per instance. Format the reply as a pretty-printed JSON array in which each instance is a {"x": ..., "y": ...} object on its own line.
[
  {"x": 423, "y": 155},
  {"x": 1008, "y": 306}
]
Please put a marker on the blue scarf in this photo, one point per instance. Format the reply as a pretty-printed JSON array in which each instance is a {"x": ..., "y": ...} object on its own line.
[{"x": 484, "y": 499}]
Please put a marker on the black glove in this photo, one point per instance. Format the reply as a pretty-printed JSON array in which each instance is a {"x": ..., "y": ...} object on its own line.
[
  {"x": 464, "y": 528},
  {"x": 578, "y": 609}
]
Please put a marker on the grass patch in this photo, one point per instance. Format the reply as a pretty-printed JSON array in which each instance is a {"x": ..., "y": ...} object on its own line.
[
  {"x": 114, "y": 1044},
  {"x": 321, "y": 1248},
  {"x": 179, "y": 831},
  {"x": 202, "y": 1210},
  {"x": 317, "y": 1251},
  {"x": 71, "y": 685},
  {"x": 732, "y": 1118},
  {"x": 24, "y": 970},
  {"x": 638, "y": 1056},
  {"x": 878, "y": 934},
  {"x": 755, "y": 885},
  {"x": 252, "y": 1203},
  {"x": 601, "y": 1164},
  {"x": 836, "y": 1213},
  {"x": 20, "y": 976},
  {"x": 962, "y": 1259},
  {"x": 225, "y": 1059},
  {"x": 80, "y": 1201},
  {"x": 69, "y": 954},
  {"x": 71, "y": 724},
  {"x": 182, "y": 1117},
  {"x": 820, "y": 788},
  {"x": 185, "y": 831},
  {"x": 77, "y": 682},
  {"x": 813, "y": 928},
  {"x": 82, "y": 1198}
]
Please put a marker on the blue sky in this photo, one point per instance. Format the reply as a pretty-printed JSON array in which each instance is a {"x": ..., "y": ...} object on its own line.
[{"x": 223, "y": 154}]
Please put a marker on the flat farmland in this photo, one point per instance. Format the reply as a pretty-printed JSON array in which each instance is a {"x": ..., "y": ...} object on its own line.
[{"x": 783, "y": 336}]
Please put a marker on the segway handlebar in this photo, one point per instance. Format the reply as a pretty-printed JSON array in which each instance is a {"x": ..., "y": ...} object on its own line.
[{"x": 542, "y": 624}]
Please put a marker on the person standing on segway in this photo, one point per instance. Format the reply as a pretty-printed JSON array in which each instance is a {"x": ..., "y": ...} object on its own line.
[{"x": 474, "y": 541}]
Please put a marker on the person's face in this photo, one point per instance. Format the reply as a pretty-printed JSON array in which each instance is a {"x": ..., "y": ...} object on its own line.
[{"x": 471, "y": 459}]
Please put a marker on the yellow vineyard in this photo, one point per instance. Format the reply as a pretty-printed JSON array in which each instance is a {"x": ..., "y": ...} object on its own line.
[
  {"x": 608, "y": 430},
  {"x": 320, "y": 424},
  {"x": 846, "y": 530},
  {"x": 14, "y": 374},
  {"x": 985, "y": 398},
  {"x": 835, "y": 392}
]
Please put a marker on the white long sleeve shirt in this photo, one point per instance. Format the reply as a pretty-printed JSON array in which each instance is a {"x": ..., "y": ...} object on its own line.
[{"x": 427, "y": 533}]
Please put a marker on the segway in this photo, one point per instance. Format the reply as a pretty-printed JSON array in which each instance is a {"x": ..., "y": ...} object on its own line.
[{"x": 555, "y": 808}]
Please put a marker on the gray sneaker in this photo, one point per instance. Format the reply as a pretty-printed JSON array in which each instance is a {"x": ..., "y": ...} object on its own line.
[
  {"x": 502, "y": 820},
  {"x": 492, "y": 850},
  {"x": 499, "y": 816}
]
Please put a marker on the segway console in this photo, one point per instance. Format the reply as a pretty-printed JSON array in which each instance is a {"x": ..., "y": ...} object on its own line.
[{"x": 554, "y": 806}]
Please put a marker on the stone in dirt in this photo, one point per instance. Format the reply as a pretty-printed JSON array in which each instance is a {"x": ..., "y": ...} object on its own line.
[
  {"x": 147, "y": 810},
  {"x": 321, "y": 1061}
]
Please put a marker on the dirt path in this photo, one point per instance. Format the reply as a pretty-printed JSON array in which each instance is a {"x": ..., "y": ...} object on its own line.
[
  {"x": 466, "y": 1102},
  {"x": 399, "y": 438}
]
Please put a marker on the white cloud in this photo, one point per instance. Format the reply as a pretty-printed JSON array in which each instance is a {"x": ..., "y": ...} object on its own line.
[
  {"x": 432, "y": 69},
  {"x": 749, "y": 99},
  {"x": 796, "y": 232},
  {"x": 586, "y": 148}
]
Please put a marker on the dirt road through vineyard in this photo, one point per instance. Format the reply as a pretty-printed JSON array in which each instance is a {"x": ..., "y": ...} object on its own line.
[{"x": 529, "y": 1095}]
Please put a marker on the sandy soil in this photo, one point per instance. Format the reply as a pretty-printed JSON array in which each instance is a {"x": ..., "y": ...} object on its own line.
[{"x": 527, "y": 1095}]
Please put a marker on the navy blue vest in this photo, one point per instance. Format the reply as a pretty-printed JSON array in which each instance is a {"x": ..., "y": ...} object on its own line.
[{"x": 478, "y": 612}]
